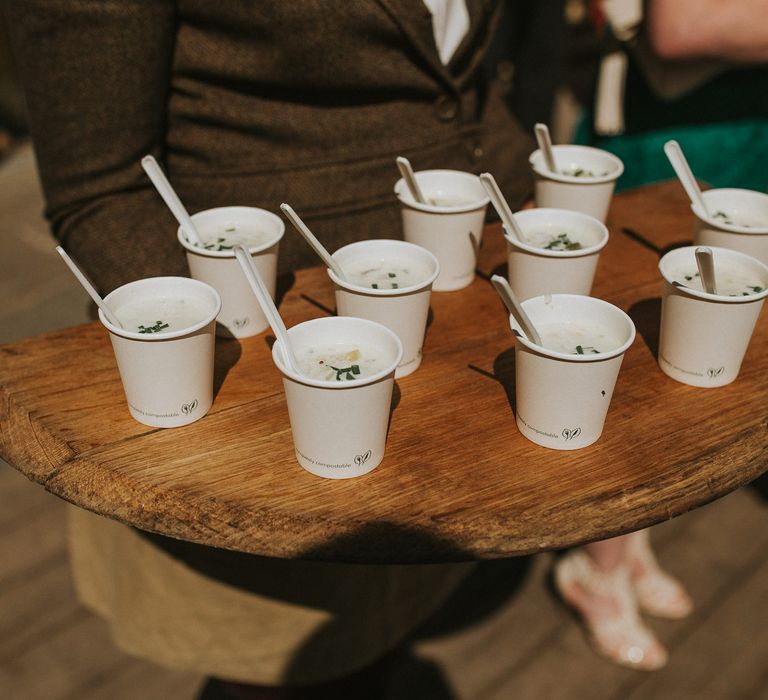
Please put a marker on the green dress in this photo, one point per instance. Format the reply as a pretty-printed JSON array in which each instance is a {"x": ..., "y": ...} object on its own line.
[{"x": 722, "y": 128}]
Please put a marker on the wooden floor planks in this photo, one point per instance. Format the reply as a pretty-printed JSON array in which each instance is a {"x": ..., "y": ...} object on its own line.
[
  {"x": 724, "y": 655},
  {"x": 36, "y": 605},
  {"x": 18, "y": 500},
  {"x": 532, "y": 649},
  {"x": 28, "y": 546}
]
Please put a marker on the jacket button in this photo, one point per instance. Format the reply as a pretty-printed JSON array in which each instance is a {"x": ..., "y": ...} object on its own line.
[{"x": 446, "y": 108}]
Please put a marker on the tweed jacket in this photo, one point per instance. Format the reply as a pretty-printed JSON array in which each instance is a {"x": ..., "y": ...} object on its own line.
[{"x": 250, "y": 103}]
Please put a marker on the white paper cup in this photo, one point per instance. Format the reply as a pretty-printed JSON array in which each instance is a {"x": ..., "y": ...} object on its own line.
[
  {"x": 402, "y": 310},
  {"x": 453, "y": 234},
  {"x": 533, "y": 270},
  {"x": 590, "y": 195},
  {"x": 704, "y": 336},
  {"x": 562, "y": 399},
  {"x": 742, "y": 206},
  {"x": 241, "y": 315},
  {"x": 340, "y": 428},
  {"x": 167, "y": 377}
]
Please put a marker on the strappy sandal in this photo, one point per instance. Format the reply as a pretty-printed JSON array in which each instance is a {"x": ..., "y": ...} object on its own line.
[
  {"x": 609, "y": 611},
  {"x": 658, "y": 593}
]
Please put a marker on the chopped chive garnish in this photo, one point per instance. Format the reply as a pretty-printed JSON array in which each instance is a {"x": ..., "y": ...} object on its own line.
[
  {"x": 562, "y": 242},
  {"x": 391, "y": 274},
  {"x": 579, "y": 172},
  {"x": 584, "y": 349},
  {"x": 754, "y": 290},
  {"x": 156, "y": 328},
  {"x": 727, "y": 219},
  {"x": 375, "y": 286},
  {"x": 219, "y": 245},
  {"x": 345, "y": 373},
  {"x": 395, "y": 285}
]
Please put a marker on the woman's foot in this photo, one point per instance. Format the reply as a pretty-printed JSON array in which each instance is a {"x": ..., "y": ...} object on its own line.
[
  {"x": 658, "y": 593},
  {"x": 607, "y": 605}
]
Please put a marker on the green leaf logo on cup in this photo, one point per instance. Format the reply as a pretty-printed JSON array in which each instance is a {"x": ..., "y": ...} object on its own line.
[
  {"x": 240, "y": 323},
  {"x": 360, "y": 460},
  {"x": 187, "y": 408},
  {"x": 714, "y": 373},
  {"x": 571, "y": 433}
]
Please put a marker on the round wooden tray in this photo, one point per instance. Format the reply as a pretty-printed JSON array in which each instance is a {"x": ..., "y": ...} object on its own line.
[{"x": 458, "y": 480}]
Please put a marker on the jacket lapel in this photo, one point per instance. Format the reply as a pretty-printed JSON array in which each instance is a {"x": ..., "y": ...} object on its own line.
[
  {"x": 415, "y": 21},
  {"x": 482, "y": 13}
]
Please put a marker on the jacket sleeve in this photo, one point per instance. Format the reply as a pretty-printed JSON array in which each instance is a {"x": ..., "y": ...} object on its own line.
[{"x": 97, "y": 78}]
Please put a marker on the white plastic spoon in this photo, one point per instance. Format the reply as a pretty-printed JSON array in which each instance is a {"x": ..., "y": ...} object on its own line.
[
  {"x": 88, "y": 287},
  {"x": 706, "y": 264},
  {"x": 545, "y": 144},
  {"x": 404, "y": 166},
  {"x": 310, "y": 238},
  {"x": 513, "y": 306},
  {"x": 685, "y": 174},
  {"x": 501, "y": 206},
  {"x": 160, "y": 181},
  {"x": 267, "y": 305}
]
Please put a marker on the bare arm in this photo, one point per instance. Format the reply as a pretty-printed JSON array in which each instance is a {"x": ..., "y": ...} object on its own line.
[{"x": 735, "y": 30}]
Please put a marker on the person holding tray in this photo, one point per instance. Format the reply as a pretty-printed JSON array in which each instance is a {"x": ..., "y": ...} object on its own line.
[{"x": 251, "y": 104}]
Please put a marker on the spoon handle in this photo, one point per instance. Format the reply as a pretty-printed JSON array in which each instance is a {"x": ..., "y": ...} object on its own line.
[
  {"x": 171, "y": 199},
  {"x": 310, "y": 238},
  {"x": 513, "y": 306},
  {"x": 88, "y": 287},
  {"x": 267, "y": 304},
  {"x": 404, "y": 166},
  {"x": 706, "y": 264},
  {"x": 545, "y": 144},
  {"x": 501, "y": 205},
  {"x": 685, "y": 174}
]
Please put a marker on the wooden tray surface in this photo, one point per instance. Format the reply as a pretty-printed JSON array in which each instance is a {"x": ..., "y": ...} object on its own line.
[{"x": 458, "y": 480}]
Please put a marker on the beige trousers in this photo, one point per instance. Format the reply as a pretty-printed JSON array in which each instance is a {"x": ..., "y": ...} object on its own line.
[{"x": 316, "y": 622}]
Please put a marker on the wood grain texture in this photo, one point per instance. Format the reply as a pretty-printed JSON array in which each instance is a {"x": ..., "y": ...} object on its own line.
[{"x": 458, "y": 480}]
